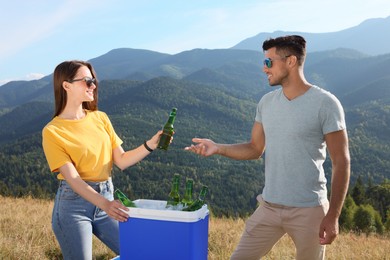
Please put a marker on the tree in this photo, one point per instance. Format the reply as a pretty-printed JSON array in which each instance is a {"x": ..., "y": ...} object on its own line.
[
  {"x": 364, "y": 220},
  {"x": 359, "y": 192},
  {"x": 347, "y": 214},
  {"x": 379, "y": 197},
  {"x": 387, "y": 224},
  {"x": 367, "y": 220},
  {"x": 379, "y": 227}
]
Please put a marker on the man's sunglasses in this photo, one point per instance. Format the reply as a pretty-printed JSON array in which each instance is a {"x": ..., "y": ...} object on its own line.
[
  {"x": 268, "y": 61},
  {"x": 87, "y": 81}
]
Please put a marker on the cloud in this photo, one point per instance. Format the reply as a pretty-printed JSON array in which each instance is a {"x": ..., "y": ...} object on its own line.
[
  {"x": 28, "y": 77},
  {"x": 33, "y": 76},
  {"x": 5, "y": 81},
  {"x": 35, "y": 22},
  {"x": 224, "y": 25}
]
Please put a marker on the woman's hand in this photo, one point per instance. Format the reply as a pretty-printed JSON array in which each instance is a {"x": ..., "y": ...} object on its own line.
[
  {"x": 153, "y": 142},
  {"x": 116, "y": 210}
]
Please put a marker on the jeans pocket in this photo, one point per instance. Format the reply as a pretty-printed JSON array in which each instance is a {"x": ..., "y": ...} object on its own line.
[{"x": 66, "y": 193}]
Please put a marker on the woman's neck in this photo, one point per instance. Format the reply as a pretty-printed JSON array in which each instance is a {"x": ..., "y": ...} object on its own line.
[{"x": 75, "y": 113}]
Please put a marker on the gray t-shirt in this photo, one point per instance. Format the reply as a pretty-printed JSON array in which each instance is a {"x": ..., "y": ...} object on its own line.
[{"x": 295, "y": 145}]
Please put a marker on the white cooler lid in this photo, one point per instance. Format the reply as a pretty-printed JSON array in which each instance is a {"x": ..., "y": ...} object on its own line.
[{"x": 155, "y": 209}]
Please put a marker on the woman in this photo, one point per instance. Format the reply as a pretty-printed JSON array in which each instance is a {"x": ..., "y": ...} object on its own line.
[{"x": 81, "y": 145}]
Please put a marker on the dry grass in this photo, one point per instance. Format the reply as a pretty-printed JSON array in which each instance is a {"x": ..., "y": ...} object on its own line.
[
  {"x": 25, "y": 233},
  {"x": 224, "y": 235}
]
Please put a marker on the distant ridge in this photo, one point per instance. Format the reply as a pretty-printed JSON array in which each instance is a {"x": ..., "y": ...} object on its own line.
[
  {"x": 370, "y": 37},
  {"x": 216, "y": 92}
]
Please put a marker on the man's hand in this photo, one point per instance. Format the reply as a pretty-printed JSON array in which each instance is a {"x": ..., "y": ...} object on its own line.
[
  {"x": 329, "y": 229},
  {"x": 204, "y": 147}
]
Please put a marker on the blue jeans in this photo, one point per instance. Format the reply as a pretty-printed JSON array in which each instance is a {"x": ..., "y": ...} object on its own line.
[{"x": 74, "y": 220}]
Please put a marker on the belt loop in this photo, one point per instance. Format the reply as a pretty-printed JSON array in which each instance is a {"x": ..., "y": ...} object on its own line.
[
  {"x": 100, "y": 187},
  {"x": 108, "y": 184}
]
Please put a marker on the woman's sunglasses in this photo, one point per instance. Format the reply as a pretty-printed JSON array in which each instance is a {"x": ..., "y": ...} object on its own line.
[{"x": 87, "y": 81}]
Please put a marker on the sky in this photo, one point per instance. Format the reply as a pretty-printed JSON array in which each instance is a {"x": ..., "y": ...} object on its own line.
[{"x": 37, "y": 35}]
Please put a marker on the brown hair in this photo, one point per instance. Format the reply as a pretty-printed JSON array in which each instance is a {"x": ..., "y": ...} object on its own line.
[
  {"x": 290, "y": 44},
  {"x": 66, "y": 71}
]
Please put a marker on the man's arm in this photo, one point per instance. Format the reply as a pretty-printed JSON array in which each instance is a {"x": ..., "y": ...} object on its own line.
[
  {"x": 337, "y": 143},
  {"x": 243, "y": 151}
]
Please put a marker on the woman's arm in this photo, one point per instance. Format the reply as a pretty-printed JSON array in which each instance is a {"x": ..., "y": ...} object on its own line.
[
  {"x": 112, "y": 208},
  {"x": 124, "y": 159}
]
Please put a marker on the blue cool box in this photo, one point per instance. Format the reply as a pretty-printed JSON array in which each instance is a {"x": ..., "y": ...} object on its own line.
[{"x": 153, "y": 232}]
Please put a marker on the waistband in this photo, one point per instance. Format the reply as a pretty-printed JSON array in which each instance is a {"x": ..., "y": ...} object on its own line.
[
  {"x": 274, "y": 205},
  {"x": 93, "y": 184}
]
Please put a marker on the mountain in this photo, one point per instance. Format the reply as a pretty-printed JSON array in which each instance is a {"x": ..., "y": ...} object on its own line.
[
  {"x": 343, "y": 73},
  {"x": 16, "y": 93},
  {"x": 138, "y": 65},
  {"x": 369, "y": 37},
  {"x": 224, "y": 69},
  {"x": 122, "y": 62},
  {"x": 216, "y": 93},
  {"x": 143, "y": 65}
]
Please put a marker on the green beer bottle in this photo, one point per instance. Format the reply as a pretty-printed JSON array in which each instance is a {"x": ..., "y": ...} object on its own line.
[
  {"x": 174, "y": 196},
  {"x": 122, "y": 197},
  {"x": 187, "y": 199},
  {"x": 168, "y": 130},
  {"x": 199, "y": 202}
]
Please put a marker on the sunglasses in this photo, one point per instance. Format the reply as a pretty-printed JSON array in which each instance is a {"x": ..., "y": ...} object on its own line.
[
  {"x": 87, "y": 81},
  {"x": 268, "y": 61}
]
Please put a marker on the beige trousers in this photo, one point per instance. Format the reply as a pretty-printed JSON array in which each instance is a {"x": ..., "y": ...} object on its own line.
[{"x": 271, "y": 221}]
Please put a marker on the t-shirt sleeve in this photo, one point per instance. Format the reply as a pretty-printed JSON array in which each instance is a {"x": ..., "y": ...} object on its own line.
[
  {"x": 332, "y": 115},
  {"x": 258, "y": 117},
  {"x": 115, "y": 140},
  {"x": 56, "y": 155}
]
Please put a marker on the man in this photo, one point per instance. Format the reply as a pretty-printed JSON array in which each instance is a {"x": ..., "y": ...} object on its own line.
[{"x": 294, "y": 124}]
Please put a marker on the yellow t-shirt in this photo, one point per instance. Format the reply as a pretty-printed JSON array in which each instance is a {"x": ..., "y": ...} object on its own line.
[{"x": 86, "y": 143}]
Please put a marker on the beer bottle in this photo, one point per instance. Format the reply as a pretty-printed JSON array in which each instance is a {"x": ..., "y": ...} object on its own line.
[
  {"x": 199, "y": 202},
  {"x": 168, "y": 130},
  {"x": 187, "y": 199},
  {"x": 122, "y": 197},
  {"x": 174, "y": 196}
]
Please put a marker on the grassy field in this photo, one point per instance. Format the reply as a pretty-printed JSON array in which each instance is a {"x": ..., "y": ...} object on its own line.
[{"x": 25, "y": 233}]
